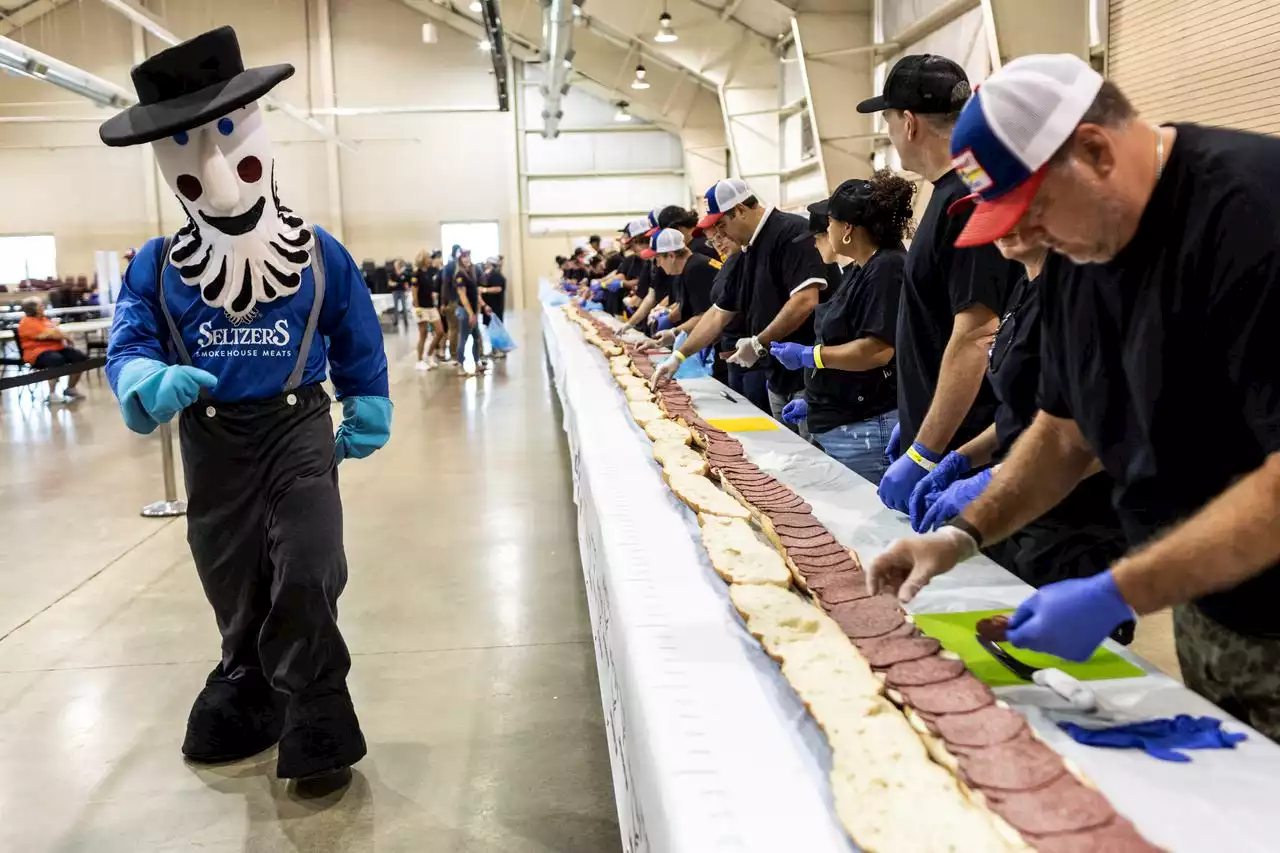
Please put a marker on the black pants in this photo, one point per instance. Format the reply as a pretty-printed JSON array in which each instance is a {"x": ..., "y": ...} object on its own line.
[
  {"x": 264, "y": 521},
  {"x": 58, "y": 358},
  {"x": 750, "y": 384}
]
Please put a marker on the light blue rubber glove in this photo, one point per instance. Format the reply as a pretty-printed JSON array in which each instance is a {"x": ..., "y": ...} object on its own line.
[
  {"x": 902, "y": 476},
  {"x": 952, "y": 467},
  {"x": 949, "y": 503},
  {"x": 894, "y": 448},
  {"x": 366, "y": 426},
  {"x": 795, "y": 411},
  {"x": 792, "y": 356},
  {"x": 152, "y": 392},
  {"x": 1070, "y": 618}
]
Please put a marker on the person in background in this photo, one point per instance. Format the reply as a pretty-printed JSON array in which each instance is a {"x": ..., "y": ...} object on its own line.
[
  {"x": 398, "y": 278},
  {"x": 775, "y": 289},
  {"x": 594, "y": 242},
  {"x": 686, "y": 222},
  {"x": 494, "y": 294},
  {"x": 44, "y": 346},
  {"x": 466, "y": 281},
  {"x": 952, "y": 298},
  {"x": 693, "y": 274},
  {"x": 426, "y": 292},
  {"x": 449, "y": 300},
  {"x": 851, "y": 393}
]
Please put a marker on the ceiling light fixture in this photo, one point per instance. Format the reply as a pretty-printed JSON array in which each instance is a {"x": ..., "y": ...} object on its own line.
[
  {"x": 475, "y": 6},
  {"x": 666, "y": 33},
  {"x": 640, "y": 82},
  {"x": 430, "y": 35},
  {"x": 485, "y": 45},
  {"x": 622, "y": 115}
]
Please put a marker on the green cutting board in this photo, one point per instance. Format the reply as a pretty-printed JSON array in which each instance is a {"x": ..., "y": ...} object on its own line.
[{"x": 956, "y": 633}]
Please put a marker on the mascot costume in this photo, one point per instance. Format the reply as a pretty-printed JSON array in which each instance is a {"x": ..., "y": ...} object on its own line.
[{"x": 230, "y": 326}]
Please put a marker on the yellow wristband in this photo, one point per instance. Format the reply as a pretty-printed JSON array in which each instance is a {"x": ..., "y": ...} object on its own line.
[
  {"x": 817, "y": 356},
  {"x": 920, "y": 460},
  {"x": 680, "y": 357}
]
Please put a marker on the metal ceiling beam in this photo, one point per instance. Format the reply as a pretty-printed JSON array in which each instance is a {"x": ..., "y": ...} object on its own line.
[
  {"x": 557, "y": 30},
  {"x": 10, "y": 21},
  {"x": 647, "y": 51}
]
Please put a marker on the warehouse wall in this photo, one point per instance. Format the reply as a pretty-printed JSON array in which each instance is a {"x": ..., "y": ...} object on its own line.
[{"x": 410, "y": 173}]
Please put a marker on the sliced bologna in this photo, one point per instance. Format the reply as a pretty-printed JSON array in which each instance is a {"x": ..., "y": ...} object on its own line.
[
  {"x": 820, "y": 539},
  {"x": 985, "y": 727},
  {"x": 930, "y": 670},
  {"x": 1119, "y": 836},
  {"x": 1020, "y": 765},
  {"x": 1065, "y": 805},
  {"x": 849, "y": 586},
  {"x": 830, "y": 565},
  {"x": 883, "y": 654},
  {"x": 905, "y": 630},
  {"x": 957, "y": 696},
  {"x": 760, "y": 481},
  {"x": 794, "y": 519},
  {"x": 821, "y": 549},
  {"x": 869, "y": 617}
]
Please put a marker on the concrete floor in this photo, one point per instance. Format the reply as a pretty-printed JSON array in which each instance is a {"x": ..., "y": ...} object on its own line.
[{"x": 473, "y": 670}]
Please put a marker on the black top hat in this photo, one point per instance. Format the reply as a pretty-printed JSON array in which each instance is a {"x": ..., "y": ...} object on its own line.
[{"x": 188, "y": 85}]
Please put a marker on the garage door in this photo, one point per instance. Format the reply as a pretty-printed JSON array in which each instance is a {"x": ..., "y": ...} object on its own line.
[{"x": 1214, "y": 62}]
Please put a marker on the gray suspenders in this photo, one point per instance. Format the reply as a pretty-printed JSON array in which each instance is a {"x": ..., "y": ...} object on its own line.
[{"x": 313, "y": 319}]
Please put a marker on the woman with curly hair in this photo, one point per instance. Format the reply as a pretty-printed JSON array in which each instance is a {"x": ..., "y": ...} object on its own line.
[{"x": 851, "y": 390}]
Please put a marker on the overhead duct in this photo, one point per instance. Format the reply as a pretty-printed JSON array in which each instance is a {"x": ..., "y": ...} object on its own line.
[
  {"x": 491, "y": 18},
  {"x": 20, "y": 59},
  {"x": 557, "y": 61}
]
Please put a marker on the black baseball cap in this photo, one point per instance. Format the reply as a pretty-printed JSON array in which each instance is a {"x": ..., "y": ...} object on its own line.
[
  {"x": 922, "y": 83},
  {"x": 848, "y": 204},
  {"x": 817, "y": 221}
]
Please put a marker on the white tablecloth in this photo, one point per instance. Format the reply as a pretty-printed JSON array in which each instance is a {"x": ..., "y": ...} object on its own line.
[{"x": 711, "y": 749}]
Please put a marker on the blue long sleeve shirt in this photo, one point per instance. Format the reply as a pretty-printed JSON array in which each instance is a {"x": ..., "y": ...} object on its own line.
[{"x": 253, "y": 361}]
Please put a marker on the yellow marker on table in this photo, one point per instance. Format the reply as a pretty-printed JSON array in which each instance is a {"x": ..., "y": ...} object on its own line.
[{"x": 755, "y": 424}]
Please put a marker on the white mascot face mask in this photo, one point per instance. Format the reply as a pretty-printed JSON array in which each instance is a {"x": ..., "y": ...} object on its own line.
[{"x": 240, "y": 246}]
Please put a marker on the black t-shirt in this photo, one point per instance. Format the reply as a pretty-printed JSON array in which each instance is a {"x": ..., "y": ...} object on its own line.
[
  {"x": 629, "y": 267},
  {"x": 496, "y": 301},
  {"x": 1014, "y": 372},
  {"x": 644, "y": 274},
  {"x": 940, "y": 282},
  {"x": 773, "y": 267},
  {"x": 448, "y": 292},
  {"x": 726, "y": 280},
  {"x": 659, "y": 282},
  {"x": 693, "y": 286},
  {"x": 1168, "y": 356},
  {"x": 612, "y": 263},
  {"x": 426, "y": 286},
  {"x": 865, "y": 306}
]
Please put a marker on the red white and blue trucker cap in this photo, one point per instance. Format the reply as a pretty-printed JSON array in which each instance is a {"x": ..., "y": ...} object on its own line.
[
  {"x": 722, "y": 198},
  {"x": 654, "y": 227},
  {"x": 667, "y": 240},
  {"x": 1010, "y": 129}
]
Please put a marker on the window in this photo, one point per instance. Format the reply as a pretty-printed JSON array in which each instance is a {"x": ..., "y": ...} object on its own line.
[
  {"x": 480, "y": 237},
  {"x": 27, "y": 257}
]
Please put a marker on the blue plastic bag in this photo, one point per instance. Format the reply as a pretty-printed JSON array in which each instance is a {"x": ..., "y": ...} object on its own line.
[
  {"x": 499, "y": 338},
  {"x": 696, "y": 365},
  {"x": 592, "y": 306}
]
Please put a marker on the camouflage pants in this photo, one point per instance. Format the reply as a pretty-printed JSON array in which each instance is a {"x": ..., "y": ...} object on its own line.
[{"x": 1237, "y": 673}]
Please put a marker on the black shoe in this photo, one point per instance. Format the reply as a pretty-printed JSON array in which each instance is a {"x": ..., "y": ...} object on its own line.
[
  {"x": 321, "y": 737},
  {"x": 231, "y": 720}
]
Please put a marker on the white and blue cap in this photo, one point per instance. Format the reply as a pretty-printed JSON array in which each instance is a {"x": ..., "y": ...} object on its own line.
[
  {"x": 722, "y": 198},
  {"x": 637, "y": 227},
  {"x": 1011, "y": 127},
  {"x": 667, "y": 240}
]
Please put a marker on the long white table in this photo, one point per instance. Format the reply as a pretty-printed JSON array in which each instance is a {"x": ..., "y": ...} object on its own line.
[{"x": 711, "y": 750}]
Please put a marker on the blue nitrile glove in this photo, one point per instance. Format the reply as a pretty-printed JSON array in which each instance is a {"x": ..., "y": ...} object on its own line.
[
  {"x": 795, "y": 411},
  {"x": 1069, "y": 618},
  {"x": 952, "y": 467},
  {"x": 662, "y": 322},
  {"x": 152, "y": 392},
  {"x": 948, "y": 503},
  {"x": 894, "y": 447},
  {"x": 366, "y": 426},
  {"x": 1160, "y": 738},
  {"x": 902, "y": 476},
  {"x": 592, "y": 306},
  {"x": 597, "y": 292},
  {"x": 614, "y": 286},
  {"x": 792, "y": 356}
]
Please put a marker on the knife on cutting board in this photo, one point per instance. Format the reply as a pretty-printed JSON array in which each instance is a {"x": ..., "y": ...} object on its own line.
[{"x": 1075, "y": 692}]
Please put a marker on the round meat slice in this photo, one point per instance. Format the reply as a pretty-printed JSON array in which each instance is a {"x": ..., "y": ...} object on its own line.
[
  {"x": 755, "y": 481},
  {"x": 883, "y": 654},
  {"x": 794, "y": 519},
  {"x": 957, "y": 696},
  {"x": 791, "y": 504},
  {"x": 1020, "y": 765},
  {"x": 821, "y": 549},
  {"x": 850, "y": 586},
  {"x": 993, "y": 628},
  {"x": 930, "y": 670},
  {"x": 985, "y": 727},
  {"x": 874, "y": 616},
  {"x": 831, "y": 564},
  {"x": 1065, "y": 805},
  {"x": 822, "y": 537},
  {"x": 1119, "y": 836},
  {"x": 905, "y": 631}
]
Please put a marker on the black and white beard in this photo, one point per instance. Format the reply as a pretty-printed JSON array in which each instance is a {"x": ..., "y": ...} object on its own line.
[{"x": 238, "y": 273}]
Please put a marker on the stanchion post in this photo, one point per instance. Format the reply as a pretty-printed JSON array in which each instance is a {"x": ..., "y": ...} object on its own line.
[{"x": 170, "y": 506}]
